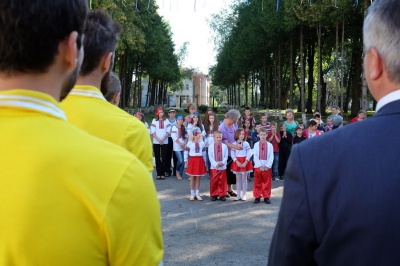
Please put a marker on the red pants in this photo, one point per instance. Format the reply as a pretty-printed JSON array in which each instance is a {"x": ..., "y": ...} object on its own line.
[
  {"x": 262, "y": 183},
  {"x": 218, "y": 183}
]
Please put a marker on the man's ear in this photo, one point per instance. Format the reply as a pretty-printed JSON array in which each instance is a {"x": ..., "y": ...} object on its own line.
[
  {"x": 69, "y": 50},
  {"x": 106, "y": 62},
  {"x": 116, "y": 98},
  {"x": 375, "y": 64}
]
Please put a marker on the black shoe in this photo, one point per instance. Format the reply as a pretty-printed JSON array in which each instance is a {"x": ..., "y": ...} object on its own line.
[
  {"x": 222, "y": 198},
  {"x": 281, "y": 178},
  {"x": 167, "y": 174},
  {"x": 257, "y": 200},
  {"x": 267, "y": 201},
  {"x": 232, "y": 194},
  {"x": 227, "y": 195},
  {"x": 214, "y": 198}
]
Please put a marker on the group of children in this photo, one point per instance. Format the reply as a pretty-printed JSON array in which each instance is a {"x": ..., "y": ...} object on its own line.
[
  {"x": 217, "y": 153},
  {"x": 263, "y": 154}
]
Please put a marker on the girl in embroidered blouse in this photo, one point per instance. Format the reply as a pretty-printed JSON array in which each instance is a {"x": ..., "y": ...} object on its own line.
[
  {"x": 196, "y": 165},
  {"x": 179, "y": 138},
  {"x": 210, "y": 125},
  {"x": 196, "y": 122},
  {"x": 160, "y": 130},
  {"x": 241, "y": 165}
]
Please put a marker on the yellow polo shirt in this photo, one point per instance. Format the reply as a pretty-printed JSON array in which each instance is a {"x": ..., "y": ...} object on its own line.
[
  {"x": 87, "y": 108},
  {"x": 68, "y": 198}
]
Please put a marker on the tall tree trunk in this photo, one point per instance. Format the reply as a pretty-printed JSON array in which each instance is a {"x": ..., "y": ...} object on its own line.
[
  {"x": 291, "y": 74},
  {"x": 310, "y": 61},
  {"x": 337, "y": 64},
  {"x": 302, "y": 78},
  {"x": 264, "y": 92},
  {"x": 319, "y": 67},
  {"x": 342, "y": 81},
  {"x": 357, "y": 83},
  {"x": 246, "y": 89},
  {"x": 238, "y": 93},
  {"x": 279, "y": 77},
  {"x": 252, "y": 87}
]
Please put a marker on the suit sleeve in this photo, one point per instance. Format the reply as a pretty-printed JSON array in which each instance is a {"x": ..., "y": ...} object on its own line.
[{"x": 294, "y": 241}]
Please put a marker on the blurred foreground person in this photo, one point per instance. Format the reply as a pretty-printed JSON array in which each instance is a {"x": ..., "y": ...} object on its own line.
[
  {"x": 335, "y": 212},
  {"x": 66, "y": 197}
]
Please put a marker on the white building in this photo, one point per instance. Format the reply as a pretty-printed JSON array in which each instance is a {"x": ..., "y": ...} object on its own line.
[{"x": 195, "y": 90}]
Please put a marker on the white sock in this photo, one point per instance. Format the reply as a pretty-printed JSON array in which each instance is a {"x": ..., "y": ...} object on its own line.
[
  {"x": 192, "y": 192},
  {"x": 197, "y": 192}
]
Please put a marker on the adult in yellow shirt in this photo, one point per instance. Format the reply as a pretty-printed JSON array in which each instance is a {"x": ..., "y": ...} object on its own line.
[
  {"x": 66, "y": 197},
  {"x": 87, "y": 108}
]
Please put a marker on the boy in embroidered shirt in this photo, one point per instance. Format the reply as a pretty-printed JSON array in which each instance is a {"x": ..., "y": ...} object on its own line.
[
  {"x": 218, "y": 156},
  {"x": 263, "y": 159},
  {"x": 264, "y": 122}
]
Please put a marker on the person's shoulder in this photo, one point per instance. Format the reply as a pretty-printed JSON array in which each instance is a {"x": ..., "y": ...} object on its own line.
[{"x": 92, "y": 152}]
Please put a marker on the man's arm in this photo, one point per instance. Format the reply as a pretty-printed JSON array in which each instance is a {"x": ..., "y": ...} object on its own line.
[
  {"x": 138, "y": 142},
  {"x": 294, "y": 241}
]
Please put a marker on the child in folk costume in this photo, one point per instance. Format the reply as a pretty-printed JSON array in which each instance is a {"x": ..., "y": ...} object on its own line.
[
  {"x": 188, "y": 119},
  {"x": 241, "y": 165},
  {"x": 195, "y": 148},
  {"x": 196, "y": 122},
  {"x": 160, "y": 130},
  {"x": 263, "y": 159},
  {"x": 179, "y": 138},
  {"x": 218, "y": 156},
  {"x": 210, "y": 126}
]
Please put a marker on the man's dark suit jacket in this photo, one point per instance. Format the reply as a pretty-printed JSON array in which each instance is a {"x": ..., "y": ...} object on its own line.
[{"x": 341, "y": 200}]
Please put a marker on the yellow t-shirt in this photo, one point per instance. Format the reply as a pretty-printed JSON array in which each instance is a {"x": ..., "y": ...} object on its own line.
[
  {"x": 68, "y": 198},
  {"x": 86, "y": 108}
]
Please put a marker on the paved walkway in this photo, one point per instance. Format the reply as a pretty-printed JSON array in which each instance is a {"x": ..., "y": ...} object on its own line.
[{"x": 215, "y": 233}]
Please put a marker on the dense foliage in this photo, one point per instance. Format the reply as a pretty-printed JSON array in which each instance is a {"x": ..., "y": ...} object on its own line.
[{"x": 301, "y": 54}]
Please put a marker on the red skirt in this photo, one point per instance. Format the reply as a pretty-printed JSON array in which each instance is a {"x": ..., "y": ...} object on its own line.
[
  {"x": 236, "y": 169},
  {"x": 196, "y": 166}
]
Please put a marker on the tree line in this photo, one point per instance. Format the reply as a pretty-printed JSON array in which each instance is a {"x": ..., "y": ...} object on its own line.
[
  {"x": 301, "y": 54},
  {"x": 145, "y": 49}
]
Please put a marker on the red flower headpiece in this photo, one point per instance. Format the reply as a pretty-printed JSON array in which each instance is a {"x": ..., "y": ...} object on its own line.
[
  {"x": 196, "y": 131},
  {"x": 246, "y": 133},
  {"x": 158, "y": 111}
]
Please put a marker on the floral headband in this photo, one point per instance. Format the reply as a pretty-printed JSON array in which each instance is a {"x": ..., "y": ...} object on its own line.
[
  {"x": 196, "y": 131},
  {"x": 158, "y": 111}
]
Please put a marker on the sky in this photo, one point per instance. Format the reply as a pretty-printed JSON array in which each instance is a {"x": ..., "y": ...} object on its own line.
[{"x": 188, "y": 24}]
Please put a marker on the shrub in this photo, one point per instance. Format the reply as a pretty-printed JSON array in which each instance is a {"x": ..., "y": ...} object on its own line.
[{"x": 202, "y": 108}]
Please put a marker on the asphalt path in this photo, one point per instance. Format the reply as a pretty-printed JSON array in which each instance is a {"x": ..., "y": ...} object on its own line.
[{"x": 215, "y": 233}]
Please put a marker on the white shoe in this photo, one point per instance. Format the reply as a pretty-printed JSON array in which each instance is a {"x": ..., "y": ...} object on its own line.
[
  {"x": 198, "y": 197},
  {"x": 191, "y": 198},
  {"x": 244, "y": 197},
  {"x": 238, "y": 198}
]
